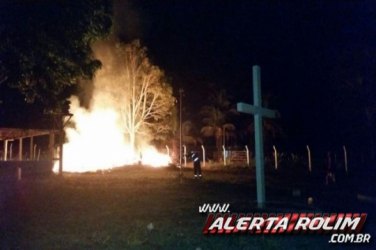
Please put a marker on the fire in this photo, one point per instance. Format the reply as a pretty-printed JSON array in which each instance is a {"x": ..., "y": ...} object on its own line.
[{"x": 98, "y": 140}]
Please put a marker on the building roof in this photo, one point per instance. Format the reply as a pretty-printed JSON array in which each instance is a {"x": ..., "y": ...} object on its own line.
[{"x": 17, "y": 133}]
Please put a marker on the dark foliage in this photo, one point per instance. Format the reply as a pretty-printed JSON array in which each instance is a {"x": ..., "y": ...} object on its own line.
[{"x": 45, "y": 46}]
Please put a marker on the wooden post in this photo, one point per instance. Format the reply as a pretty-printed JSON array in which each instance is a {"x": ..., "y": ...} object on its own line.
[
  {"x": 35, "y": 151},
  {"x": 180, "y": 131},
  {"x": 185, "y": 155},
  {"x": 20, "y": 149},
  {"x": 51, "y": 146},
  {"x": 345, "y": 158},
  {"x": 247, "y": 151},
  {"x": 11, "y": 151},
  {"x": 31, "y": 148},
  {"x": 275, "y": 158},
  {"x": 224, "y": 154},
  {"x": 224, "y": 136},
  {"x": 203, "y": 155},
  {"x": 309, "y": 159},
  {"x": 61, "y": 143},
  {"x": 60, "y": 122},
  {"x": 5, "y": 150}
]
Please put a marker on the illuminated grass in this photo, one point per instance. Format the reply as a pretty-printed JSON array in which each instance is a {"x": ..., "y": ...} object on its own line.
[{"x": 112, "y": 211}]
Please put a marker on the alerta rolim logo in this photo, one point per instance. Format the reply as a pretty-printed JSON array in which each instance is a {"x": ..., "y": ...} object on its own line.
[{"x": 344, "y": 227}]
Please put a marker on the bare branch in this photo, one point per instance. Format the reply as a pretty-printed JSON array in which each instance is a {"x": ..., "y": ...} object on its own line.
[{"x": 146, "y": 97}]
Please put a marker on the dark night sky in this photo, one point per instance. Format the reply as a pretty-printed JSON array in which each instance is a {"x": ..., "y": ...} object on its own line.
[{"x": 305, "y": 49}]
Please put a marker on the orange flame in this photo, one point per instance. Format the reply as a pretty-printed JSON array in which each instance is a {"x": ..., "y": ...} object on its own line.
[{"x": 97, "y": 143}]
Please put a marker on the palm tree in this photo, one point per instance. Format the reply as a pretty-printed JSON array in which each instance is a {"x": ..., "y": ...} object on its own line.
[
  {"x": 189, "y": 137},
  {"x": 215, "y": 117}
]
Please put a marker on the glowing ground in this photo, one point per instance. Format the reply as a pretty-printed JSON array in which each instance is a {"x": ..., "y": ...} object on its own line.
[{"x": 114, "y": 210}]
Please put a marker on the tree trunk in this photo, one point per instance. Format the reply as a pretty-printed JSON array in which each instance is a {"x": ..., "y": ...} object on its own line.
[{"x": 132, "y": 141}]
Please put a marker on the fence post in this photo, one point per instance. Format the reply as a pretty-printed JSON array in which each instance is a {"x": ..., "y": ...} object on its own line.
[
  {"x": 247, "y": 151},
  {"x": 20, "y": 150},
  {"x": 345, "y": 157},
  {"x": 11, "y": 151},
  {"x": 224, "y": 155},
  {"x": 275, "y": 158},
  {"x": 5, "y": 150},
  {"x": 31, "y": 154},
  {"x": 35, "y": 152},
  {"x": 309, "y": 159},
  {"x": 185, "y": 155},
  {"x": 203, "y": 155}
]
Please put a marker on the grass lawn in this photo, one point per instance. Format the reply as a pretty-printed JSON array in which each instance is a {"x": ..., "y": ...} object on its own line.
[{"x": 147, "y": 208}]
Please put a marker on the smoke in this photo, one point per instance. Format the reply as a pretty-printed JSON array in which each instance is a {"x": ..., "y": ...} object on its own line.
[
  {"x": 126, "y": 27},
  {"x": 90, "y": 90},
  {"x": 127, "y": 21}
]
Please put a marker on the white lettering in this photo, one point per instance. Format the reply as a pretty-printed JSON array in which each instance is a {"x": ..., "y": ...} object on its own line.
[
  {"x": 271, "y": 221},
  {"x": 243, "y": 223},
  {"x": 256, "y": 222},
  {"x": 347, "y": 222},
  {"x": 217, "y": 224},
  {"x": 303, "y": 223},
  {"x": 316, "y": 223},
  {"x": 282, "y": 224}
]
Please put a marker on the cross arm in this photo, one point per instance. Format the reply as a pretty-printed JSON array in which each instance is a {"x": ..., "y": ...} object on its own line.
[{"x": 251, "y": 109}]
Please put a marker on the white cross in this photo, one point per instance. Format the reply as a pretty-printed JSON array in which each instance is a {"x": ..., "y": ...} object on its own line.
[{"x": 258, "y": 111}]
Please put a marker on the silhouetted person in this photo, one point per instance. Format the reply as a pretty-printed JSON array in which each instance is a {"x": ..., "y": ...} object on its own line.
[{"x": 196, "y": 164}]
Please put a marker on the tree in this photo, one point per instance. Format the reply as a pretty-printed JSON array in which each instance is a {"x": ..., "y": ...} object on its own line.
[
  {"x": 146, "y": 98},
  {"x": 215, "y": 117},
  {"x": 45, "y": 46},
  {"x": 189, "y": 135},
  {"x": 354, "y": 105}
]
